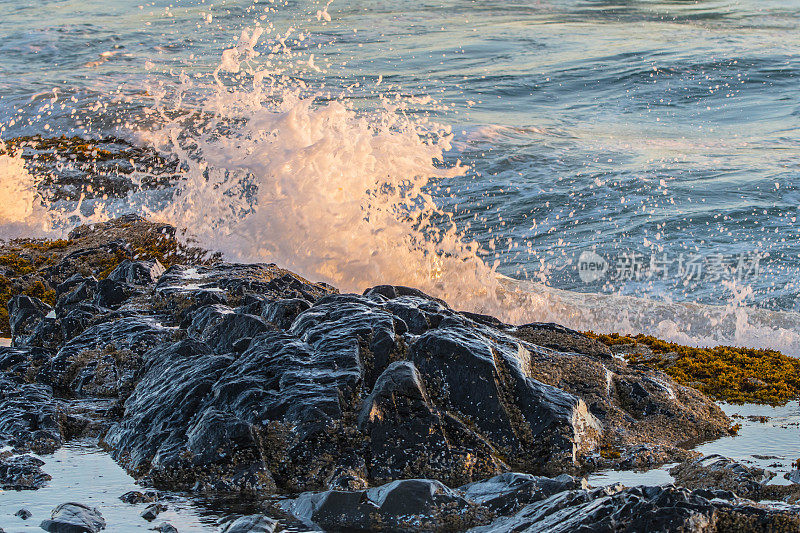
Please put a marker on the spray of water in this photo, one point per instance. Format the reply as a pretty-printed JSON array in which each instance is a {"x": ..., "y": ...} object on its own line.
[{"x": 275, "y": 170}]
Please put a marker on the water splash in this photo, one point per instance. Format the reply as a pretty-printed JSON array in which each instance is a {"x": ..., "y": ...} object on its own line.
[{"x": 277, "y": 170}]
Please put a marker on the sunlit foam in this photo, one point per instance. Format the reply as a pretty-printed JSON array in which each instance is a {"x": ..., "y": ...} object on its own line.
[{"x": 274, "y": 170}]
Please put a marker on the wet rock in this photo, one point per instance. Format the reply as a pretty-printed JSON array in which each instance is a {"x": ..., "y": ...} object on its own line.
[
  {"x": 506, "y": 493},
  {"x": 137, "y": 272},
  {"x": 167, "y": 432},
  {"x": 21, "y": 363},
  {"x": 74, "y": 518},
  {"x": 559, "y": 338},
  {"x": 793, "y": 476},
  {"x": 25, "y": 313},
  {"x": 136, "y": 497},
  {"x": 22, "y": 472},
  {"x": 636, "y": 509},
  {"x": 282, "y": 313},
  {"x": 407, "y": 505},
  {"x": 151, "y": 512},
  {"x": 646, "y": 418},
  {"x": 230, "y": 328},
  {"x": 251, "y": 524},
  {"x": 409, "y": 437},
  {"x": 23, "y": 514},
  {"x": 164, "y": 527},
  {"x": 536, "y": 427},
  {"x": 718, "y": 472},
  {"x": 103, "y": 359},
  {"x": 29, "y": 417}
]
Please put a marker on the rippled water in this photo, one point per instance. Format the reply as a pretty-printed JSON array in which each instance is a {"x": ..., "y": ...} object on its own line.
[{"x": 663, "y": 129}]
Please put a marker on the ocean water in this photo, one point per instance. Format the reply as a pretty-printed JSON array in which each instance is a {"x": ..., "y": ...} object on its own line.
[{"x": 617, "y": 166}]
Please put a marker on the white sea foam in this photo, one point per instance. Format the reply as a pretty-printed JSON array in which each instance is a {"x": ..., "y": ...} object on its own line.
[{"x": 278, "y": 171}]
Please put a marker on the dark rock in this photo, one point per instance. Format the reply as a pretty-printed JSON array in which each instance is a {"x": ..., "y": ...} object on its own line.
[
  {"x": 136, "y": 497},
  {"x": 282, "y": 313},
  {"x": 110, "y": 293},
  {"x": 164, "y": 527},
  {"x": 74, "y": 518},
  {"x": 25, "y": 313},
  {"x": 103, "y": 359},
  {"x": 81, "y": 293},
  {"x": 164, "y": 422},
  {"x": 232, "y": 327},
  {"x": 251, "y": 524},
  {"x": 409, "y": 437},
  {"x": 537, "y": 428},
  {"x": 152, "y": 511},
  {"x": 22, "y": 472},
  {"x": 562, "y": 339},
  {"x": 506, "y": 493},
  {"x": 407, "y": 505},
  {"x": 718, "y": 472},
  {"x": 23, "y": 514},
  {"x": 793, "y": 476},
  {"x": 29, "y": 417},
  {"x": 667, "y": 508},
  {"x": 20, "y": 363},
  {"x": 137, "y": 272}
]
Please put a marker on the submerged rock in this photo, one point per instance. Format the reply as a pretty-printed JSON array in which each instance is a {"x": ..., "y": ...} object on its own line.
[
  {"x": 151, "y": 512},
  {"x": 135, "y": 497},
  {"x": 251, "y": 524},
  {"x": 23, "y": 513},
  {"x": 74, "y": 518}
]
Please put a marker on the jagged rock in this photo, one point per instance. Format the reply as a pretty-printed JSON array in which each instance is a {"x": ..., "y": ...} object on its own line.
[
  {"x": 22, "y": 472},
  {"x": 29, "y": 417},
  {"x": 282, "y": 313},
  {"x": 652, "y": 509},
  {"x": 21, "y": 363},
  {"x": 152, "y": 511},
  {"x": 634, "y": 406},
  {"x": 506, "y": 493},
  {"x": 536, "y": 427},
  {"x": 23, "y": 513},
  {"x": 137, "y": 272},
  {"x": 103, "y": 359},
  {"x": 25, "y": 313},
  {"x": 164, "y": 527},
  {"x": 251, "y": 524},
  {"x": 167, "y": 431},
  {"x": 406, "y": 505},
  {"x": 230, "y": 328},
  {"x": 793, "y": 476},
  {"x": 557, "y": 337},
  {"x": 135, "y": 497},
  {"x": 718, "y": 472},
  {"x": 74, "y": 518},
  {"x": 409, "y": 437}
]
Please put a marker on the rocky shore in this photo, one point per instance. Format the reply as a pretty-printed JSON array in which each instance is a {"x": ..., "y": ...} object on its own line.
[{"x": 387, "y": 410}]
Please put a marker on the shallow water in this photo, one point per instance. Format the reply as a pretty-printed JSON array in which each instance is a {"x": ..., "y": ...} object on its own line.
[
  {"x": 84, "y": 473},
  {"x": 772, "y": 445}
]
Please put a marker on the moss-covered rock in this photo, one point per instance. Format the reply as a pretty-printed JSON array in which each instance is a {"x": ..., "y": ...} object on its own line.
[{"x": 728, "y": 373}]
